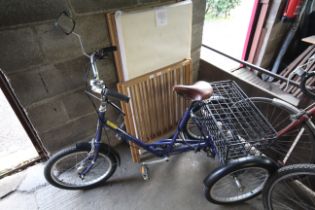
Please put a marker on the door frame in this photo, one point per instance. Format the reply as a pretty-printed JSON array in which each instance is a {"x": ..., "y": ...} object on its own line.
[{"x": 29, "y": 129}]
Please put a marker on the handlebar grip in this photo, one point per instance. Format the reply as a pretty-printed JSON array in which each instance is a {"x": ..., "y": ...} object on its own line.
[
  {"x": 117, "y": 95},
  {"x": 109, "y": 49},
  {"x": 100, "y": 54}
]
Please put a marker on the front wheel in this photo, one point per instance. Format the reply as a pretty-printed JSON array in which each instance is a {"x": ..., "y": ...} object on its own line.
[
  {"x": 62, "y": 169},
  {"x": 240, "y": 180}
]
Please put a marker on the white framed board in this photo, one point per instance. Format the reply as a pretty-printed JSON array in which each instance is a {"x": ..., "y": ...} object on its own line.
[{"x": 153, "y": 38}]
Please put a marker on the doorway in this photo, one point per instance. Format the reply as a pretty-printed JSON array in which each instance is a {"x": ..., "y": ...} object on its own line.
[
  {"x": 226, "y": 28},
  {"x": 16, "y": 148},
  {"x": 20, "y": 145}
]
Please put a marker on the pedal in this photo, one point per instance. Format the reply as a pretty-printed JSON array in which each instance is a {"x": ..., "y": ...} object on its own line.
[{"x": 144, "y": 170}]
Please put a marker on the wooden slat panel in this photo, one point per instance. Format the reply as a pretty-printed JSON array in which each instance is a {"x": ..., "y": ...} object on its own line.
[
  {"x": 154, "y": 109},
  {"x": 129, "y": 124},
  {"x": 168, "y": 98}
]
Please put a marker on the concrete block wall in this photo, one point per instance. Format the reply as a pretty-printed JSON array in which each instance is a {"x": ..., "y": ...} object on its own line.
[
  {"x": 197, "y": 29},
  {"x": 46, "y": 68}
]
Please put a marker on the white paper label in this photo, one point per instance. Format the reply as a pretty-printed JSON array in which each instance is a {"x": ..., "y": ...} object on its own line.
[{"x": 161, "y": 17}]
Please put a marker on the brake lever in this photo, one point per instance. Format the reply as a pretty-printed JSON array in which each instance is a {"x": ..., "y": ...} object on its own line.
[
  {"x": 91, "y": 94},
  {"x": 116, "y": 107}
]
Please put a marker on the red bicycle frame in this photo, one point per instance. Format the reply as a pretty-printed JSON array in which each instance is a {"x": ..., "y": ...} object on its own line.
[
  {"x": 301, "y": 118},
  {"x": 306, "y": 116}
]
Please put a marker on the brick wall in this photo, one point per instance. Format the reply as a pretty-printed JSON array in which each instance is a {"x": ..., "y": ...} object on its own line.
[{"x": 46, "y": 68}]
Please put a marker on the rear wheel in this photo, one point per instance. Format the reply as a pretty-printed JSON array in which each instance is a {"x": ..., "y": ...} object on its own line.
[
  {"x": 62, "y": 170},
  {"x": 292, "y": 187},
  {"x": 191, "y": 128},
  {"x": 239, "y": 180}
]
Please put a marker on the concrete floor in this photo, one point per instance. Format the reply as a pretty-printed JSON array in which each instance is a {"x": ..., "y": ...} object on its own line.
[{"x": 176, "y": 184}]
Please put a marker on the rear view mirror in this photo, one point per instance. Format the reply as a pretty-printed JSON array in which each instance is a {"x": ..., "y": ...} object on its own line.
[{"x": 65, "y": 23}]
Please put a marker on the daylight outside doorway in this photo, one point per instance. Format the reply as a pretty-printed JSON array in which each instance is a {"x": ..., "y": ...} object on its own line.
[
  {"x": 225, "y": 29},
  {"x": 16, "y": 148}
]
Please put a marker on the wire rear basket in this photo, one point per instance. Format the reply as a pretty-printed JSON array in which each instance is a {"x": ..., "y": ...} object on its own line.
[{"x": 235, "y": 125}]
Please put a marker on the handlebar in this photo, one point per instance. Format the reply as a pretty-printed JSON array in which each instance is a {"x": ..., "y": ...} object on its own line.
[
  {"x": 117, "y": 95},
  {"x": 98, "y": 55},
  {"x": 97, "y": 85}
]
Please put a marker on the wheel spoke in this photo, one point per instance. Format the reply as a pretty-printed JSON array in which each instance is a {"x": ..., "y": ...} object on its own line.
[
  {"x": 293, "y": 187},
  {"x": 240, "y": 184},
  {"x": 63, "y": 170},
  {"x": 280, "y": 116}
]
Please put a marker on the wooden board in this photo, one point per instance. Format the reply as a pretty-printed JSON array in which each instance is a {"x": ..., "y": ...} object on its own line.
[
  {"x": 163, "y": 37},
  {"x": 310, "y": 39},
  {"x": 154, "y": 109},
  {"x": 110, "y": 19}
]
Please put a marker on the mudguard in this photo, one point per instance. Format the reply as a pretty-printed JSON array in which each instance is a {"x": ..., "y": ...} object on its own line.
[{"x": 243, "y": 162}]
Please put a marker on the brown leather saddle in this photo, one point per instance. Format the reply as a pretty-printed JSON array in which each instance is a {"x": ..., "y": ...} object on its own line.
[{"x": 199, "y": 91}]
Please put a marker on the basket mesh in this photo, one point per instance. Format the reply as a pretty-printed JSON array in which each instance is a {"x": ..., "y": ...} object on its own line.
[{"x": 236, "y": 127}]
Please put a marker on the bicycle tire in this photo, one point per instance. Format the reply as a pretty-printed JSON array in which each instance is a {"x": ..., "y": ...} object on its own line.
[
  {"x": 279, "y": 116},
  {"x": 69, "y": 178},
  {"x": 282, "y": 191},
  {"x": 192, "y": 130},
  {"x": 220, "y": 184},
  {"x": 303, "y": 85}
]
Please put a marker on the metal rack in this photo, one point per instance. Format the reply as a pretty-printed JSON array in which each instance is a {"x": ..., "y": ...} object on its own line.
[{"x": 231, "y": 120}]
